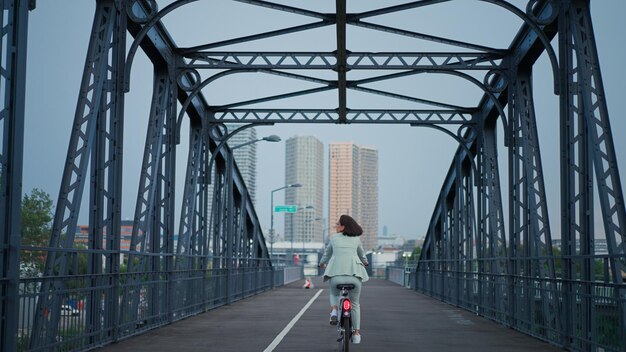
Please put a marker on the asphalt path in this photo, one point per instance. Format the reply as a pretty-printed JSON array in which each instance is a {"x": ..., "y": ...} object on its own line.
[{"x": 291, "y": 318}]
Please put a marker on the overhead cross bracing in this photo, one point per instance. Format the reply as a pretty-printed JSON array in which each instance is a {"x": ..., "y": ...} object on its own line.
[
  {"x": 204, "y": 57},
  {"x": 489, "y": 246}
]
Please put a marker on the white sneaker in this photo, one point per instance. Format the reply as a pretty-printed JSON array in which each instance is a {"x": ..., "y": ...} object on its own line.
[
  {"x": 356, "y": 339},
  {"x": 333, "y": 317}
]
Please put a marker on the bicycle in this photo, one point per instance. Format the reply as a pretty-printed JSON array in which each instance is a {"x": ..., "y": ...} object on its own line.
[{"x": 344, "y": 325}]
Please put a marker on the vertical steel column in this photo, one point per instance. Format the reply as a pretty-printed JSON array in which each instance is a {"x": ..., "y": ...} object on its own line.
[
  {"x": 106, "y": 190},
  {"x": 492, "y": 252},
  {"x": 147, "y": 219},
  {"x": 440, "y": 246},
  {"x": 200, "y": 227},
  {"x": 186, "y": 236},
  {"x": 13, "y": 45},
  {"x": 205, "y": 243},
  {"x": 423, "y": 269},
  {"x": 431, "y": 255},
  {"x": 240, "y": 241},
  {"x": 467, "y": 234},
  {"x": 586, "y": 140},
  {"x": 227, "y": 229},
  {"x": 244, "y": 245},
  {"x": 530, "y": 214},
  {"x": 160, "y": 296},
  {"x": 451, "y": 238},
  {"x": 577, "y": 232},
  {"x": 197, "y": 226},
  {"x": 341, "y": 54},
  {"x": 92, "y": 95},
  {"x": 165, "y": 202},
  {"x": 217, "y": 223},
  {"x": 463, "y": 232}
]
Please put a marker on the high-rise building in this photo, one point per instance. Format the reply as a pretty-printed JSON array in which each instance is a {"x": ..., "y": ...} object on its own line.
[
  {"x": 245, "y": 157},
  {"x": 353, "y": 187},
  {"x": 304, "y": 164}
]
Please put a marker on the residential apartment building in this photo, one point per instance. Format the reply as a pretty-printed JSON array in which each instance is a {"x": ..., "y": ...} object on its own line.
[
  {"x": 304, "y": 164},
  {"x": 245, "y": 157},
  {"x": 353, "y": 187}
]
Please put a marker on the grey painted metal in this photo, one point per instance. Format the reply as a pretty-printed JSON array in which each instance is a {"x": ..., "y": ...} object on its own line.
[
  {"x": 89, "y": 114},
  {"x": 388, "y": 116},
  {"x": 492, "y": 241},
  {"x": 150, "y": 207},
  {"x": 353, "y": 61},
  {"x": 587, "y": 145},
  {"x": 575, "y": 299},
  {"x": 530, "y": 238},
  {"x": 13, "y": 41},
  {"x": 342, "y": 60},
  {"x": 146, "y": 295},
  {"x": 578, "y": 303}
]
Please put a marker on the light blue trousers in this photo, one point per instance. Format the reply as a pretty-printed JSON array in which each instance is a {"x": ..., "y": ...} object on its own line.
[{"x": 355, "y": 293}]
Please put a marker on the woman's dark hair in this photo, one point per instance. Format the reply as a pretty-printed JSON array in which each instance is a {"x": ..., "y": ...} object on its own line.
[{"x": 351, "y": 228}]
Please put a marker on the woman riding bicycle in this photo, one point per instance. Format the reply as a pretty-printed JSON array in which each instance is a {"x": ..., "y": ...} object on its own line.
[{"x": 345, "y": 263}]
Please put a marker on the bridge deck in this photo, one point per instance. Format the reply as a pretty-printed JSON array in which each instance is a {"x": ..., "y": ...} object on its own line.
[{"x": 393, "y": 319}]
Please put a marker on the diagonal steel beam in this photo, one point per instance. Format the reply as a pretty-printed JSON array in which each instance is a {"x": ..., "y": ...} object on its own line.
[
  {"x": 304, "y": 27},
  {"x": 423, "y": 36},
  {"x": 341, "y": 54},
  {"x": 396, "y": 8},
  {"x": 272, "y": 98},
  {"x": 286, "y": 8}
]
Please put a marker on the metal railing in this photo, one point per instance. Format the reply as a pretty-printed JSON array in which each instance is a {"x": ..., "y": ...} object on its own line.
[
  {"x": 575, "y": 314},
  {"x": 95, "y": 309},
  {"x": 401, "y": 275}
]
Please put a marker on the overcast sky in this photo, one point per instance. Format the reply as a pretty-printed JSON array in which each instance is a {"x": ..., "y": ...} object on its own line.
[{"x": 412, "y": 161}]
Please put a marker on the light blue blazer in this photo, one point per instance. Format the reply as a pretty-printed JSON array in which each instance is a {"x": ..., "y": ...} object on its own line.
[{"x": 344, "y": 256}]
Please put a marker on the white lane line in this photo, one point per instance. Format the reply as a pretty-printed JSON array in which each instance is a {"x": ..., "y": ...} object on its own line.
[{"x": 293, "y": 322}]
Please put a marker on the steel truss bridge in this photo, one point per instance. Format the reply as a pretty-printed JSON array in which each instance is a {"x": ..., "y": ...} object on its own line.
[{"x": 505, "y": 271}]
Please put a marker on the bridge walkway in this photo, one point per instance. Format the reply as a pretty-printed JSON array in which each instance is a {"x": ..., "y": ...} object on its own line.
[{"x": 393, "y": 319}]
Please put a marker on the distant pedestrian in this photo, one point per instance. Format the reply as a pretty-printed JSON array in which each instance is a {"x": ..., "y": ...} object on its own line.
[
  {"x": 308, "y": 283},
  {"x": 345, "y": 261}
]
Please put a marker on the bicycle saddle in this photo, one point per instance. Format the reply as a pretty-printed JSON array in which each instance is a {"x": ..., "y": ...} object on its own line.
[{"x": 346, "y": 286}]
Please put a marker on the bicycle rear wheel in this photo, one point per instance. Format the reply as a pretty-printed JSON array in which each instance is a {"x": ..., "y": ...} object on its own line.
[{"x": 347, "y": 334}]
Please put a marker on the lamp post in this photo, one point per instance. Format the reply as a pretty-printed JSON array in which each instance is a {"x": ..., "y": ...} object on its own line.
[
  {"x": 406, "y": 256},
  {"x": 271, "y": 138},
  {"x": 222, "y": 137},
  {"x": 294, "y": 185}
]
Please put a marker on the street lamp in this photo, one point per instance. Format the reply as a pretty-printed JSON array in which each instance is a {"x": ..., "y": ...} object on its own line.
[
  {"x": 406, "y": 256},
  {"x": 221, "y": 140},
  {"x": 271, "y": 138},
  {"x": 294, "y": 185}
]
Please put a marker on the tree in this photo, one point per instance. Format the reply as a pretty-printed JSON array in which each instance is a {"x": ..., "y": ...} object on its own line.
[
  {"x": 415, "y": 256},
  {"x": 36, "y": 227}
]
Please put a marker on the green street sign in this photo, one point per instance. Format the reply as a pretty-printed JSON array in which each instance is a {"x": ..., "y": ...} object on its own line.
[{"x": 285, "y": 208}]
